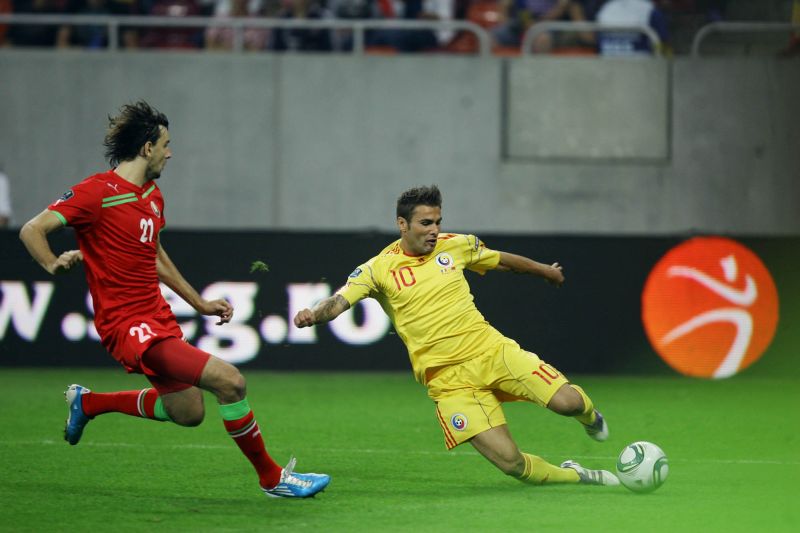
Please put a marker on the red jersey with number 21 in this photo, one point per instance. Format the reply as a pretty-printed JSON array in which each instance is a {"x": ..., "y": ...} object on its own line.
[{"x": 117, "y": 225}]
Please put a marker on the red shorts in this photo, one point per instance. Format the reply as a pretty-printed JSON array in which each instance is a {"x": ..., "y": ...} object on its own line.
[
  {"x": 152, "y": 346},
  {"x": 173, "y": 365},
  {"x": 128, "y": 342}
]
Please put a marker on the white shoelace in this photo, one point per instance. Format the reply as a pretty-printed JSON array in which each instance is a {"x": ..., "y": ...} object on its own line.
[{"x": 289, "y": 477}]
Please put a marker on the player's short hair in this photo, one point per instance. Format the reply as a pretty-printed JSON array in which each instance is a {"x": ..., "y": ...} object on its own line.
[
  {"x": 135, "y": 125},
  {"x": 430, "y": 196}
]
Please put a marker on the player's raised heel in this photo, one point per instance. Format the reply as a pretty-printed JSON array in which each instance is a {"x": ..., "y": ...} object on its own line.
[
  {"x": 592, "y": 477},
  {"x": 599, "y": 430},
  {"x": 77, "y": 419},
  {"x": 294, "y": 485}
]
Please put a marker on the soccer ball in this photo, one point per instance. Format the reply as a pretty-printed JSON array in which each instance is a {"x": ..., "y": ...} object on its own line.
[{"x": 642, "y": 466}]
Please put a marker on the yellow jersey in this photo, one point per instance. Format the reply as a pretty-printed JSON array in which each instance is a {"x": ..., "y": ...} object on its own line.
[{"x": 428, "y": 299}]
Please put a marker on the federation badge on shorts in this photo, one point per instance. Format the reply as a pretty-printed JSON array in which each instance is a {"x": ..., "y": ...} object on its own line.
[{"x": 459, "y": 422}]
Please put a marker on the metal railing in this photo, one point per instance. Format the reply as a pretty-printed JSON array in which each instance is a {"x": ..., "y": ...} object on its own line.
[
  {"x": 567, "y": 26},
  {"x": 357, "y": 26},
  {"x": 739, "y": 27}
]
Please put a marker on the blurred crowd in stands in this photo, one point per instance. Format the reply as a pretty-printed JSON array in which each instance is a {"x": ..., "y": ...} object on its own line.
[{"x": 505, "y": 20}]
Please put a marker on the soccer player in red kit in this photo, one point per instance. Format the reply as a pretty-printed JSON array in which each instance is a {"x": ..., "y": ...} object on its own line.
[{"x": 117, "y": 216}]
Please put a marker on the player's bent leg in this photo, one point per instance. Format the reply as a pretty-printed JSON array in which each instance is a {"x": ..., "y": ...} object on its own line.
[
  {"x": 223, "y": 380},
  {"x": 593, "y": 422},
  {"x": 571, "y": 400},
  {"x": 185, "y": 407},
  {"x": 500, "y": 449},
  {"x": 567, "y": 401},
  {"x": 229, "y": 386}
]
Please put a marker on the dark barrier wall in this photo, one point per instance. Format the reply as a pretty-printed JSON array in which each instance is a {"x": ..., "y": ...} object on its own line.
[{"x": 591, "y": 325}]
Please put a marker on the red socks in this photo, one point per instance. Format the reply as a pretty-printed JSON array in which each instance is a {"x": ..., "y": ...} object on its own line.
[
  {"x": 237, "y": 417},
  {"x": 139, "y": 403},
  {"x": 246, "y": 434}
]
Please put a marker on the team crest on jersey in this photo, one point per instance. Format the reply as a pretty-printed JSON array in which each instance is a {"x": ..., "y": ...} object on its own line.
[
  {"x": 66, "y": 196},
  {"x": 355, "y": 273},
  {"x": 155, "y": 209},
  {"x": 459, "y": 422},
  {"x": 446, "y": 262}
]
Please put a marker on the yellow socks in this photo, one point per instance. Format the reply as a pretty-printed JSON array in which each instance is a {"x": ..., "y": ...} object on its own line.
[
  {"x": 538, "y": 471},
  {"x": 588, "y": 416}
]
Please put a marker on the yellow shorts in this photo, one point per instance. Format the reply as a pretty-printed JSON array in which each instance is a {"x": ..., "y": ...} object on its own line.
[{"x": 468, "y": 395}]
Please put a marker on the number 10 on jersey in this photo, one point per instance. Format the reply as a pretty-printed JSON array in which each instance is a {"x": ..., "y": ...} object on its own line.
[{"x": 405, "y": 276}]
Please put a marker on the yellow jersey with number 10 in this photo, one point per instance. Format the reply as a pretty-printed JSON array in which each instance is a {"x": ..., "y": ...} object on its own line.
[{"x": 428, "y": 299}]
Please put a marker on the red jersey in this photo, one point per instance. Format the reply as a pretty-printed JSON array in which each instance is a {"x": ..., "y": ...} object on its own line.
[{"x": 117, "y": 226}]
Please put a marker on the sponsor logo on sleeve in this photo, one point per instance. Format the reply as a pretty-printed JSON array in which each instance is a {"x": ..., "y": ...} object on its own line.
[
  {"x": 355, "y": 273},
  {"x": 66, "y": 196}
]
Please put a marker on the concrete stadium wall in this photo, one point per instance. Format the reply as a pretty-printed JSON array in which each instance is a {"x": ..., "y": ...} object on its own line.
[{"x": 534, "y": 145}]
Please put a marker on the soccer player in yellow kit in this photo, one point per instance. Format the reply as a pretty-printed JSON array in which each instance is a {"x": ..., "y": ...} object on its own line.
[{"x": 469, "y": 367}]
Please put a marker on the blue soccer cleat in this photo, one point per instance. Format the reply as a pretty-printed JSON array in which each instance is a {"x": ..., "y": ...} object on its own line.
[
  {"x": 294, "y": 485},
  {"x": 77, "y": 420},
  {"x": 599, "y": 430}
]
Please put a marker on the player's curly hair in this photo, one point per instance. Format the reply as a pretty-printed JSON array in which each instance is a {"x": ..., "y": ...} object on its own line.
[
  {"x": 135, "y": 125},
  {"x": 430, "y": 196}
]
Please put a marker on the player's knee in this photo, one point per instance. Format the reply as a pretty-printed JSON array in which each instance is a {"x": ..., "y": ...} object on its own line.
[
  {"x": 189, "y": 417},
  {"x": 239, "y": 385},
  {"x": 233, "y": 387},
  {"x": 193, "y": 420},
  {"x": 566, "y": 402}
]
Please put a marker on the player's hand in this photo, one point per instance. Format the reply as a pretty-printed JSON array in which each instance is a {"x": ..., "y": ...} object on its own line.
[
  {"x": 556, "y": 275},
  {"x": 304, "y": 318},
  {"x": 66, "y": 261},
  {"x": 221, "y": 308}
]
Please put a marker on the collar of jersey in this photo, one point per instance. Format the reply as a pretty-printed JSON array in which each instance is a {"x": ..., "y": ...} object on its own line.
[{"x": 130, "y": 187}]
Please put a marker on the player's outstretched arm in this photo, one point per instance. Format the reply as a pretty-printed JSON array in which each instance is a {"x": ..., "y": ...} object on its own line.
[
  {"x": 34, "y": 235},
  {"x": 325, "y": 311},
  {"x": 172, "y": 278},
  {"x": 522, "y": 265}
]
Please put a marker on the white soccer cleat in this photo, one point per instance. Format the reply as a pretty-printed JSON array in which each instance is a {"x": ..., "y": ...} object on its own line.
[
  {"x": 592, "y": 477},
  {"x": 599, "y": 430}
]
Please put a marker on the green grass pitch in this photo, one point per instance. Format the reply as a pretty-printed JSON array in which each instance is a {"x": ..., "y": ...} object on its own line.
[{"x": 733, "y": 447}]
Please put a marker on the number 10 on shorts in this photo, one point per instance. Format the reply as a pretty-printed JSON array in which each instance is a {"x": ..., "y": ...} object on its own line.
[{"x": 547, "y": 373}]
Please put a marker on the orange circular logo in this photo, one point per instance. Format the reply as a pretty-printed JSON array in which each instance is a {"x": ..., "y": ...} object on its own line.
[{"x": 710, "y": 307}]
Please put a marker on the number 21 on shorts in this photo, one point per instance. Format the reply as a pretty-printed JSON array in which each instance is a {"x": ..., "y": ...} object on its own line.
[{"x": 143, "y": 331}]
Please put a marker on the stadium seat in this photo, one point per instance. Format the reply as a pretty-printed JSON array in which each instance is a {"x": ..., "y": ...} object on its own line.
[
  {"x": 380, "y": 50},
  {"x": 485, "y": 13},
  {"x": 574, "y": 51}
]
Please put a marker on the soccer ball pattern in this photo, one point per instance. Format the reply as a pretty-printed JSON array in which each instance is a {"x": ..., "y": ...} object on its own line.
[{"x": 642, "y": 466}]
